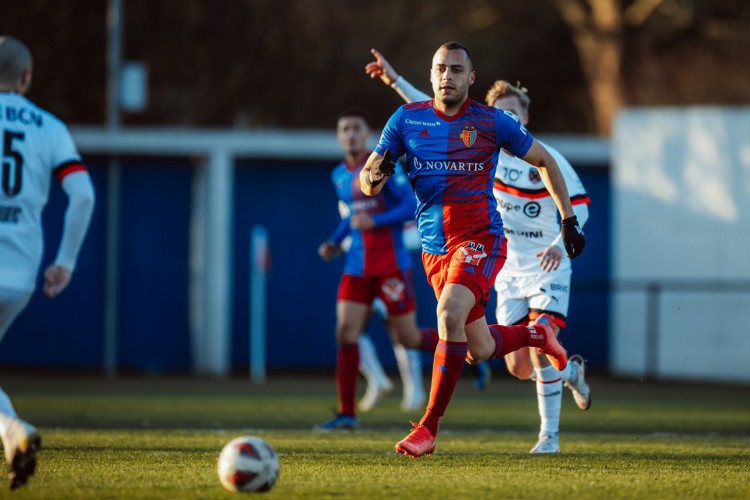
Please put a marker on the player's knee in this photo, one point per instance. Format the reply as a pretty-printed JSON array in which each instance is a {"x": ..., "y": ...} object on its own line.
[
  {"x": 477, "y": 355},
  {"x": 519, "y": 364},
  {"x": 409, "y": 341},
  {"x": 519, "y": 371},
  {"x": 450, "y": 320},
  {"x": 405, "y": 334},
  {"x": 345, "y": 334}
]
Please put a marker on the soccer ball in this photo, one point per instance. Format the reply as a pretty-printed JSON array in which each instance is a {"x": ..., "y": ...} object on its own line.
[{"x": 248, "y": 464}]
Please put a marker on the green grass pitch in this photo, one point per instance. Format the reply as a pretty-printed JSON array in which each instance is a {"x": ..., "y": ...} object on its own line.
[{"x": 160, "y": 438}]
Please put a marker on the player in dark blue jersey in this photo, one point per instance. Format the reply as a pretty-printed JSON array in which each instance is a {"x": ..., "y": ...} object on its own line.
[
  {"x": 377, "y": 264},
  {"x": 451, "y": 144}
]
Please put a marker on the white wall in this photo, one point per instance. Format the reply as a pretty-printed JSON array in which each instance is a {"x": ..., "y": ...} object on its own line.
[{"x": 681, "y": 221}]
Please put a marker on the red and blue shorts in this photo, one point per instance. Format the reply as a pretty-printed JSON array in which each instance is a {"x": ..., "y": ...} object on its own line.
[
  {"x": 473, "y": 264},
  {"x": 396, "y": 290}
]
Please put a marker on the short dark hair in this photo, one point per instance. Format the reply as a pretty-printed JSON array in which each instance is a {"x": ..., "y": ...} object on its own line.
[
  {"x": 355, "y": 111},
  {"x": 458, "y": 46},
  {"x": 15, "y": 58}
]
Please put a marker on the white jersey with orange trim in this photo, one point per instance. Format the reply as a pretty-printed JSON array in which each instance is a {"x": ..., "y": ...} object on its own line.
[
  {"x": 34, "y": 145},
  {"x": 530, "y": 216}
]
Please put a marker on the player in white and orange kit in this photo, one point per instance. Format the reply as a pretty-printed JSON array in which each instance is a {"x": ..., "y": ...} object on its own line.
[
  {"x": 36, "y": 147},
  {"x": 535, "y": 279}
]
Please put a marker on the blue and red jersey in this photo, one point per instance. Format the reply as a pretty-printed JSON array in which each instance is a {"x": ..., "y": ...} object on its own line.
[
  {"x": 378, "y": 251},
  {"x": 451, "y": 162}
]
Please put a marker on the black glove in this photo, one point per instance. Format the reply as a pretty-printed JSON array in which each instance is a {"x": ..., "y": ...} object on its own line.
[
  {"x": 573, "y": 237},
  {"x": 383, "y": 166}
]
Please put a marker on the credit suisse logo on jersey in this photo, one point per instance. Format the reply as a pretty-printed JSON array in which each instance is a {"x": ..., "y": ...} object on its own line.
[{"x": 424, "y": 124}]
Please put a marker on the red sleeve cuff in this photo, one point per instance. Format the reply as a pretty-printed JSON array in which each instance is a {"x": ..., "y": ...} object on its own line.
[{"x": 68, "y": 168}]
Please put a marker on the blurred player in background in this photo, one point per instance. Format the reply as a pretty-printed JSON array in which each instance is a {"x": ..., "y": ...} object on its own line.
[
  {"x": 535, "y": 279},
  {"x": 409, "y": 361},
  {"x": 536, "y": 276},
  {"x": 36, "y": 147},
  {"x": 377, "y": 264},
  {"x": 452, "y": 145}
]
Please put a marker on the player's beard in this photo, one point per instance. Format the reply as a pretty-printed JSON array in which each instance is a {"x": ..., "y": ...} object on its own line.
[
  {"x": 452, "y": 99},
  {"x": 455, "y": 97},
  {"x": 449, "y": 99}
]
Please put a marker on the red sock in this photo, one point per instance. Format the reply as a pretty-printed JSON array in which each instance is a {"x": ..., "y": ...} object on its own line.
[
  {"x": 449, "y": 360},
  {"x": 512, "y": 338},
  {"x": 346, "y": 377},
  {"x": 430, "y": 339}
]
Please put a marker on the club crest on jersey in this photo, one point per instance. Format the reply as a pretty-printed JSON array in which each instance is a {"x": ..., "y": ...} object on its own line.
[
  {"x": 393, "y": 288},
  {"x": 468, "y": 135},
  {"x": 472, "y": 253},
  {"x": 534, "y": 176}
]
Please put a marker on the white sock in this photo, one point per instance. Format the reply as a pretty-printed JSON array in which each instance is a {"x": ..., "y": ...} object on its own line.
[
  {"x": 570, "y": 373},
  {"x": 410, "y": 368},
  {"x": 369, "y": 364},
  {"x": 549, "y": 396},
  {"x": 7, "y": 412},
  {"x": 402, "y": 360},
  {"x": 415, "y": 369}
]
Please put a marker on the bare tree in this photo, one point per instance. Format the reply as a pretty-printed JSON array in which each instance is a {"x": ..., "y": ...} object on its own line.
[{"x": 597, "y": 31}]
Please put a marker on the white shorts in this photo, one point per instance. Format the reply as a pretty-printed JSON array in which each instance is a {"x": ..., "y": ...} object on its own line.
[
  {"x": 519, "y": 296},
  {"x": 12, "y": 302}
]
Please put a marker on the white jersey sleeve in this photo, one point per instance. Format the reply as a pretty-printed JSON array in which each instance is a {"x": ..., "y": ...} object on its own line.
[
  {"x": 63, "y": 150},
  {"x": 407, "y": 91},
  {"x": 35, "y": 147},
  {"x": 576, "y": 191},
  {"x": 80, "y": 191}
]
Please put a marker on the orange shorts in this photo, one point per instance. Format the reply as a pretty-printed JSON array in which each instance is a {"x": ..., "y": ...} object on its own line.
[
  {"x": 396, "y": 290},
  {"x": 473, "y": 264}
]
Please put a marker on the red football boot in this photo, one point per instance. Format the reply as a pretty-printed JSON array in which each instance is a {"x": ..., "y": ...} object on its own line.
[
  {"x": 420, "y": 441},
  {"x": 555, "y": 352}
]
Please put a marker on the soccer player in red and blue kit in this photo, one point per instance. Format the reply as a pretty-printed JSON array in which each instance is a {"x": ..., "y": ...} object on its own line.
[
  {"x": 451, "y": 144},
  {"x": 377, "y": 265}
]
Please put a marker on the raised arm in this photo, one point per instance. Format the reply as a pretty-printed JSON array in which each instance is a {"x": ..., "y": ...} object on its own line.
[{"x": 380, "y": 67}]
